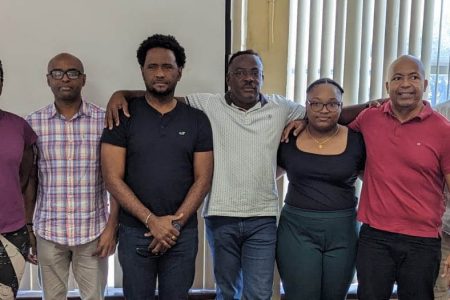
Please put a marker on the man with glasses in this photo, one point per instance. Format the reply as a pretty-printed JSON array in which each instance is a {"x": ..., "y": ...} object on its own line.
[
  {"x": 71, "y": 218},
  {"x": 402, "y": 201},
  {"x": 240, "y": 211}
]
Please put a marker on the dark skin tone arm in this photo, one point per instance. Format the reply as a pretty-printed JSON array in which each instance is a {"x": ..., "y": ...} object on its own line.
[
  {"x": 118, "y": 101},
  {"x": 107, "y": 240},
  {"x": 348, "y": 114},
  {"x": 203, "y": 170},
  {"x": 28, "y": 181}
]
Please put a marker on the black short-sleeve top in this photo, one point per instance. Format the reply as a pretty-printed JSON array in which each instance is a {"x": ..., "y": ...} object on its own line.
[
  {"x": 322, "y": 182},
  {"x": 159, "y": 154}
]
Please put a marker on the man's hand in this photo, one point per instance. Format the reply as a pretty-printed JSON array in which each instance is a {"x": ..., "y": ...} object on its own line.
[
  {"x": 297, "y": 125},
  {"x": 106, "y": 242},
  {"x": 32, "y": 254},
  {"x": 163, "y": 232},
  {"x": 158, "y": 249},
  {"x": 116, "y": 102}
]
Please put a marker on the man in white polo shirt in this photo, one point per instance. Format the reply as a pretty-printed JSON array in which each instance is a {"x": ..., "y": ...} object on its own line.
[{"x": 241, "y": 209}]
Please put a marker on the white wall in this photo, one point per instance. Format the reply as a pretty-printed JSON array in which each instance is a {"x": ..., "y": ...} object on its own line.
[{"x": 105, "y": 35}]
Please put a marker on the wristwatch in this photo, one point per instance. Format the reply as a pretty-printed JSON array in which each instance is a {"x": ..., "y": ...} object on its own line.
[{"x": 176, "y": 225}]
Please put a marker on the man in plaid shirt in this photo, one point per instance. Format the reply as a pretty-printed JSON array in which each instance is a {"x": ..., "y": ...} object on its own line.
[{"x": 71, "y": 219}]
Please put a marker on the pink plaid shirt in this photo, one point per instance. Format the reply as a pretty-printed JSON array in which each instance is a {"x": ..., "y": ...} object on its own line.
[{"x": 72, "y": 207}]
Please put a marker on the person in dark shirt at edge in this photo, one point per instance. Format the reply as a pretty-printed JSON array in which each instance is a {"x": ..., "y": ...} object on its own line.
[{"x": 16, "y": 199}]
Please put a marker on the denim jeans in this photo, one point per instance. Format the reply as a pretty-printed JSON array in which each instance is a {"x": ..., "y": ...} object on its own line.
[
  {"x": 385, "y": 257},
  {"x": 174, "y": 270},
  {"x": 243, "y": 251}
]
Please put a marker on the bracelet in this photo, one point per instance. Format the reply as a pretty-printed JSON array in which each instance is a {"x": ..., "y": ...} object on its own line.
[{"x": 146, "y": 220}]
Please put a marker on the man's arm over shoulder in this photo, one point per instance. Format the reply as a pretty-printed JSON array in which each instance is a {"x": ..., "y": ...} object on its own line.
[
  {"x": 351, "y": 112},
  {"x": 295, "y": 110},
  {"x": 360, "y": 119},
  {"x": 203, "y": 101}
]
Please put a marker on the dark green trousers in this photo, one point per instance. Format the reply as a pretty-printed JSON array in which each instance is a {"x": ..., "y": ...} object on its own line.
[{"x": 316, "y": 253}]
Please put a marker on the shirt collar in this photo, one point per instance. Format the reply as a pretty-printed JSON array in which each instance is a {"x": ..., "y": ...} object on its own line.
[
  {"x": 423, "y": 114},
  {"x": 84, "y": 110},
  {"x": 261, "y": 102}
]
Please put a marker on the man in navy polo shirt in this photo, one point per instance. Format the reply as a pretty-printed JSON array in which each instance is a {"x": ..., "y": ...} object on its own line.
[{"x": 158, "y": 164}]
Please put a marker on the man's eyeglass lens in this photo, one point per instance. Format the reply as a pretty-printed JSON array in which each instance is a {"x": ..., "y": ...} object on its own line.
[{"x": 59, "y": 74}]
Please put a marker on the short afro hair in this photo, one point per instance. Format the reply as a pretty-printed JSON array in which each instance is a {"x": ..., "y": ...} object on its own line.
[
  {"x": 161, "y": 41},
  {"x": 243, "y": 52}
]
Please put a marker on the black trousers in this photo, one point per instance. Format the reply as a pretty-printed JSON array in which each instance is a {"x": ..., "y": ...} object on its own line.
[{"x": 384, "y": 258}]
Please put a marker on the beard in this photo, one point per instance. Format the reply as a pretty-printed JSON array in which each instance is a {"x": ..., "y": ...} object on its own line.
[{"x": 162, "y": 96}]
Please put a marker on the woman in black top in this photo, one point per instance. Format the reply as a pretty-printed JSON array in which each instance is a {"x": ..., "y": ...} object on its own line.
[{"x": 317, "y": 233}]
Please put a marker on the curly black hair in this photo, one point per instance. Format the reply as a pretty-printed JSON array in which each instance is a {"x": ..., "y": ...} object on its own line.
[
  {"x": 1, "y": 71},
  {"x": 243, "y": 52},
  {"x": 322, "y": 81},
  {"x": 161, "y": 41}
]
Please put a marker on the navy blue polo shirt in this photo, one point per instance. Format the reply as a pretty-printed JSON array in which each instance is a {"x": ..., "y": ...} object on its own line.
[{"x": 159, "y": 155}]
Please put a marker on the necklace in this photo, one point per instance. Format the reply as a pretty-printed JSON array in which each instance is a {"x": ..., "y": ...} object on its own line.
[{"x": 321, "y": 143}]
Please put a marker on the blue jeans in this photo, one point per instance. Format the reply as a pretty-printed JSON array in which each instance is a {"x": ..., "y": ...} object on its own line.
[
  {"x": 243, "y": 251},
  {"x": 385, "y": 257},
  {"x": 175, "y": 269}
]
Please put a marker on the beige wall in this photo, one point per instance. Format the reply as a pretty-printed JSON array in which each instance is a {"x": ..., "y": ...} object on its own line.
[
  {"x": 105, "y": 34},
  {"x": 267, "y": 33}
]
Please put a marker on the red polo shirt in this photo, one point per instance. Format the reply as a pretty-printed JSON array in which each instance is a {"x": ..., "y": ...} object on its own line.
[{"x": 404, "y": 173}]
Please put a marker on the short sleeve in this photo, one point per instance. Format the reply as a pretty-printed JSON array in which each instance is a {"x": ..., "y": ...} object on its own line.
[
  {"x": 199, "y": 101},
  {"x": 355, "y": 125},
  {"x": 118, "y": 135},
  {"x": 205, "y": 138},
  {"x": 296, "y": 111}
]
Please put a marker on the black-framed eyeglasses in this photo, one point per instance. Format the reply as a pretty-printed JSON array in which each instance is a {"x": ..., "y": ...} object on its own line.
[
  {"x": 241, "y": 73},
  {"x": 318, "y": 106},
  {"x": 59, "y": 74}
]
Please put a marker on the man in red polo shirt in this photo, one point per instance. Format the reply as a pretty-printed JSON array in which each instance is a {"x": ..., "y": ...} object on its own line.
[{"x": 408, "y": 161}]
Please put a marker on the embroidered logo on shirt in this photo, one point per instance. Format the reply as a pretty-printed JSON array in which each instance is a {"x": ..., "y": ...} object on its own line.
[{"x": 181, "y": 132}]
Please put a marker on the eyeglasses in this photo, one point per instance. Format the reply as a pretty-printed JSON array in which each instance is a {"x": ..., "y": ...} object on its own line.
[
  {"x": 59, "y": 74},
  {"x": 318, "y": 106},
  {"x": 240, "y": 74}
]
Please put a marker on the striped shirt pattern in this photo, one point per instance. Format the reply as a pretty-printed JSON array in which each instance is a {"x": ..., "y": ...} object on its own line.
[
  {"x": 245, "y": 153},
  {"x": 71, "y": 206}
]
